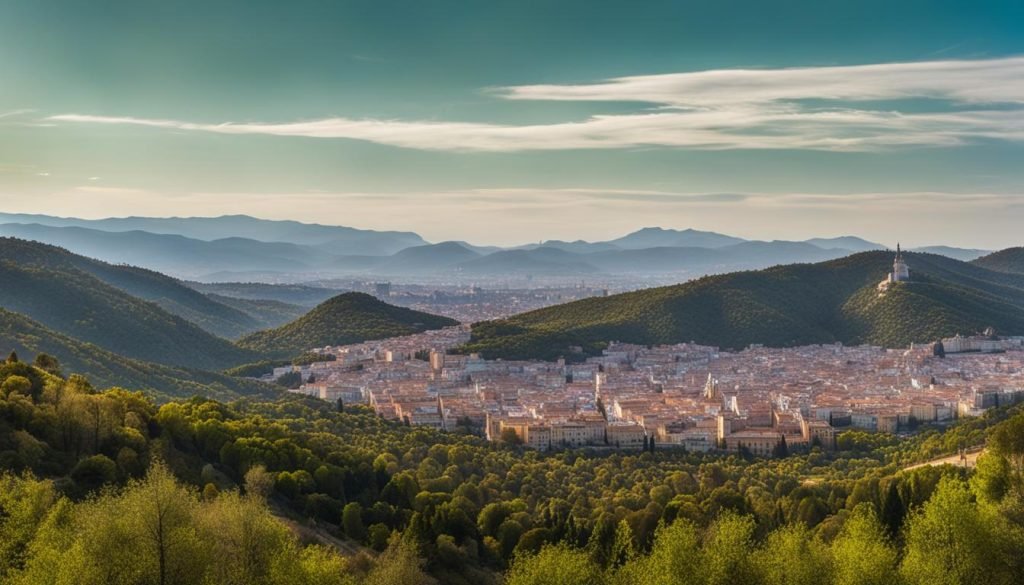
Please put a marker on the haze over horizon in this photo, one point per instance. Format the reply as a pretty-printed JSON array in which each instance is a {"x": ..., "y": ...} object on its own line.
[
  {"x": 906, "y": 244},
  {"x": 506, "y": 123}
]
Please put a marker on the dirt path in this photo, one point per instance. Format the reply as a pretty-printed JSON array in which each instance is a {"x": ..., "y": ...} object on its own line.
[{"x": 969, "y": 460}]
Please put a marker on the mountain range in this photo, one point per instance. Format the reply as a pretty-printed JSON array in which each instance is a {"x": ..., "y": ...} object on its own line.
[
  {"x": 826, "y": 302},
  {"x": 242, "y": 248}
]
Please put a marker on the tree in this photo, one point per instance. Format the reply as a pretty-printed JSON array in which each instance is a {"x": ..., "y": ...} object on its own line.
[
  {"x": 675, "y": 559},
  {"x": 16, "y": 385},
  {"x": 781, "y": 449},
  {"x": 555, "y": 565},
  {"x": 1007, "y": 441},
  {"x": 893, "y": 511},
  {"x": 47, "y": 363},
  {"x": 790, "y": 556},
  {"x": 727, "y": 550},
  {"x": 158, "y": 513},
  {"x": 953, "y": 541},
  {"x": 12, "y": 358},
  {"x": 92, "y": 472},
  {"x": 259, "y": 482},
  {"x": 242, "y": 536},
  {"x": 24, "y": 504},
  {"x": 352, "y": 521},
  {"x": 623, "y": 547},
  {"x": 862, "y": 553},
  {"x": 399, "y": 564}
]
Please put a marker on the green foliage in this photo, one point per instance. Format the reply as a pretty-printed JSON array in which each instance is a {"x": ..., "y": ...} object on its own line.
[
  {"x": 555, "y": 565},
  {"x": 781, "y": 306},
  {"x": 157, "y": 530},
  {"x": 344, "y": 319},
  {"x": 469, "y": 507},
  {"x": 953, "y": 541},
  {"x": 256, "y": 369},
  {"x": 863, "y": 554}
]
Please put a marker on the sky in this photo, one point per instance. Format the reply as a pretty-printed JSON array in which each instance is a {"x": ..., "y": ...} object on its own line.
[{"x": 506, "y": 122}]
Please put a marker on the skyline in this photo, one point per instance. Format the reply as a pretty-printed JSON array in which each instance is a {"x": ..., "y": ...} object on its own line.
[{"x": 510, "y": 124}]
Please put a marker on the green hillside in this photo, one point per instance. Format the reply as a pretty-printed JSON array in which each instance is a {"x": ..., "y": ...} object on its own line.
[
  {"x": 170, "y": 294},
  {"x": 104, "y": 368},
  {"x": 1009, "y": 260},
  {"x": 781, "y": 306},
  {"x": 81, "y": 306},
  {"x": 266, "y": 313},
  {"x": 346, "y": 318}
]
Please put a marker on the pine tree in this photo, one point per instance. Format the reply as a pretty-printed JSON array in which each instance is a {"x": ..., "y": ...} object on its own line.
[
  {"x": 13, "y": 357},
  {"x": 893, "y": 511},
  {"x": 781, "y": 449}
]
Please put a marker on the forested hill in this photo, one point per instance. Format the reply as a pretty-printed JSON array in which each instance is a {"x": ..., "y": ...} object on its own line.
[
  {"x": 1008, "y": 260},
  {"x": 780, "y": 306},
  {"x": 346, "y": 318},
  {"x": 172, "y": 296},
  {"x": 106, "y": 369},
  {"x": 75, "y": 303}
]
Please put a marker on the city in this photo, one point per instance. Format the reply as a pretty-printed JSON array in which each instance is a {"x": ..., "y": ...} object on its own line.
[{"x": 380, "y": 292}]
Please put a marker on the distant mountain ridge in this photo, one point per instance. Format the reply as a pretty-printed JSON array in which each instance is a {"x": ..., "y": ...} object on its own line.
[
  {"x": 238, "y": 247},
  {"x": 241, "y": 226},
  {"x": 799, "y": 304}
]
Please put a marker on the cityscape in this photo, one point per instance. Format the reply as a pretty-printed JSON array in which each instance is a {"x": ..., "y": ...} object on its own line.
[{"x": 574, "y": 292}]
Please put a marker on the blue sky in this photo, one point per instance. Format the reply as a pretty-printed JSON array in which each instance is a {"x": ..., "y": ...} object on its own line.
[{"x": 506, "y": 122}]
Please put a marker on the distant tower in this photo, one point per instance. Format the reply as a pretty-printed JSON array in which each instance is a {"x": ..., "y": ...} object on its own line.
[
  {"x": 900, "y": 271},
  {"x": 711, "y": 388}
]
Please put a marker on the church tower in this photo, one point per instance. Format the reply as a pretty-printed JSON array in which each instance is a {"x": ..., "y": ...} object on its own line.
[
  {"x": 711, "y": 388},
  {"x": 900, "y": 271}
]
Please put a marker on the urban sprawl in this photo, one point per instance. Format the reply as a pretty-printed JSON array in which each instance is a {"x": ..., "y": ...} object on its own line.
[{"x": 687, "y": 396}]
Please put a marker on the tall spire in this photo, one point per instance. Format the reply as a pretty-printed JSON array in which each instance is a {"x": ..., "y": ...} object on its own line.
[{"x": 898, "y": 252}]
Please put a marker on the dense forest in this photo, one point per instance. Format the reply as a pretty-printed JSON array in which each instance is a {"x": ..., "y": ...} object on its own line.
[
  {"x": 106, "y": 368},
  {"x": 296, "y": 490},
  {"x": 344, "y": 319},
  {"x": 782, "y": 306}
]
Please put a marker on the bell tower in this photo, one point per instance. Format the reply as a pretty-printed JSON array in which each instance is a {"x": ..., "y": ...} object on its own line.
[{"x": 900, "y": 271}]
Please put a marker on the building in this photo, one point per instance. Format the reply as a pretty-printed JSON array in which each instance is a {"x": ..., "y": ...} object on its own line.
[
  {"x": 900, "y": 271},
  {"x": 382, "y": 289}
]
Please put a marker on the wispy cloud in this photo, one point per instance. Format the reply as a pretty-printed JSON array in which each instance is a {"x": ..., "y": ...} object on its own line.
[
  {"x": 14, "y": 113},
  {"x": 817, "y": 108}
]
